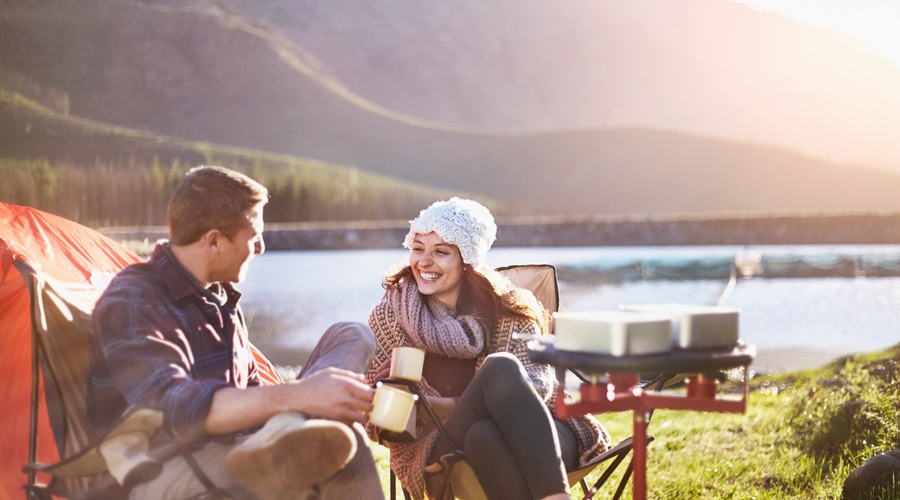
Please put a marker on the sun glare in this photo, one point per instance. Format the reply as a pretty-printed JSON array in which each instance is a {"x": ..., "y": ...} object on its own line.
[{"x": 872, "y": 22}]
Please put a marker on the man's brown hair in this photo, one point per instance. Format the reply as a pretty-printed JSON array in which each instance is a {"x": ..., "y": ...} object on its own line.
[{"x": 212, "y": 198}]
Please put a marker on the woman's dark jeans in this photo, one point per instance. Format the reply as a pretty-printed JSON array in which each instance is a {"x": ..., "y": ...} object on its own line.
[{"x": 516, "y": 448}]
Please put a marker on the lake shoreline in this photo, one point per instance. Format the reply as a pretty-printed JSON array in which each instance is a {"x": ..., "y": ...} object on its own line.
[{"x": 734, "y": 229}]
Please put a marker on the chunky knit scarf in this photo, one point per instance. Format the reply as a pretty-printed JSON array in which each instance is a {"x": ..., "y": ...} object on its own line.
[{"x": 432, "y": 326}]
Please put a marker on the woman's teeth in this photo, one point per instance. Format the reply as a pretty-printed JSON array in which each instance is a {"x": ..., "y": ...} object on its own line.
[{"x": 428, "y": 276}]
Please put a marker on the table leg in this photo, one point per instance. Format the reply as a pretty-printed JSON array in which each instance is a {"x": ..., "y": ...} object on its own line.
[{"x": 639, "y": 451}]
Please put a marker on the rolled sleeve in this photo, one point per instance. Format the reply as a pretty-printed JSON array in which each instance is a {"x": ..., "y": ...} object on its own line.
[{"x": 149, "y": 360}]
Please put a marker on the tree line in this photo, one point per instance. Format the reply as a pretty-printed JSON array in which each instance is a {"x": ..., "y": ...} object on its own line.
[
  {"x": 102, "y": 176},
  {"x": 135, "y": 192}
]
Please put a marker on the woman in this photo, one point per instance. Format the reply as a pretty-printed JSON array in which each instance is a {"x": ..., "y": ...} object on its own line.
[{"x": 473, "y": 325}]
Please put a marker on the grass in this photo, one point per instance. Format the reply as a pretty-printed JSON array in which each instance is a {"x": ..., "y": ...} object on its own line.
[{"x": 802, "y": 434}]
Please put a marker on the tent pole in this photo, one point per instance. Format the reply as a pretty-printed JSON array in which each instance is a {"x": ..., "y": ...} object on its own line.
[{"x": 35, "y": 397}]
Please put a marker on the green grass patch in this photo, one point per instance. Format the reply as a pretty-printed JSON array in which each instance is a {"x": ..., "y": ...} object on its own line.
[{"x": 802, "y": 434}]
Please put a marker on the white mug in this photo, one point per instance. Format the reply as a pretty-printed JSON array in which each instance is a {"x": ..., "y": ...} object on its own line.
[
  {"x": 406, "y": 363},
  {"x": 392, "y": 408}
]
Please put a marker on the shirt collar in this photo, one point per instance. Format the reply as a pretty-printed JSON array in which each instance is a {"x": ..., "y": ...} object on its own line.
[{"x": 182, "y": 284}]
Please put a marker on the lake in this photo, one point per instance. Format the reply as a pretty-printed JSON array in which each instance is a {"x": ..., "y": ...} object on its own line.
[{"x": 291, "y": 297}]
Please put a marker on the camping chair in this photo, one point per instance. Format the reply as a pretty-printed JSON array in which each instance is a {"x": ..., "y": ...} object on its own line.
[
  {"x": 57, "y": 268},
  {"x": 104, "y": 467},
  {"x": 542, "y": 280}
]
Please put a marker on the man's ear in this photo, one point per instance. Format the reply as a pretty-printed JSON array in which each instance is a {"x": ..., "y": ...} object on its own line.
[{"x": 212, "y": 239}]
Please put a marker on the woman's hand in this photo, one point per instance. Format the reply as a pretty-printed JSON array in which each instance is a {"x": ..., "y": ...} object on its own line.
[
  {"x": 384, "y": 371},
  {"x": 443, "y": 407}
]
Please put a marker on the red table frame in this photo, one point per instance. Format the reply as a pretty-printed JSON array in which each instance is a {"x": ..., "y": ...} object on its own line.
[{"x": 615, "y": 386}]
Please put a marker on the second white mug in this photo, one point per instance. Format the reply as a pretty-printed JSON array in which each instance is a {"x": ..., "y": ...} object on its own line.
[{"x": 406, "y": 363}]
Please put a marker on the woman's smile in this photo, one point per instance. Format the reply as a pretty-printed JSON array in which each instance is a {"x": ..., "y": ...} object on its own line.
[
  {"x": 444, "y": 265},
  {"x": 428, "y": 277}
]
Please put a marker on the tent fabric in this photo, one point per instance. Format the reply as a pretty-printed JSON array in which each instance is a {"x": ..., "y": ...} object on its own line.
[
  {"x": 15, "y": 390},
  {"x": 52, "y": 271},
  {"x": 48, "y": 257}
]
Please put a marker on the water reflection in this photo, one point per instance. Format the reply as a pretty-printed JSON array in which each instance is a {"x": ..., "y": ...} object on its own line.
[{"x": 291, "y": 297}]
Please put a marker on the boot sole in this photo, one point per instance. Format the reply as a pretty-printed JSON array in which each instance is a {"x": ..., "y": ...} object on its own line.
[{"x": 297, "y": 459}]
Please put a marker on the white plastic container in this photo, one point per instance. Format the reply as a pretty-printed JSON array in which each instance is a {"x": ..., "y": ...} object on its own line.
[
  {"x": 616, "y": 333},
  {"x": 696, "y": 326}
]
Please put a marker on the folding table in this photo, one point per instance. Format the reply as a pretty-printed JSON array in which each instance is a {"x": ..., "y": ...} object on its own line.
[{"x": 614, "y": 385}]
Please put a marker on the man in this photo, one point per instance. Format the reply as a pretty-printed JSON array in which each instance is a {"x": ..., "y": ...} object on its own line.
[{"x": 169, "y": 334}]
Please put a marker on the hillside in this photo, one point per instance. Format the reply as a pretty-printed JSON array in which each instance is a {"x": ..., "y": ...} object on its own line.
[
  {"x": 202, "y": 74},
  {"x": 101, "y": 175},
  {"x": 709, "y": 67}
]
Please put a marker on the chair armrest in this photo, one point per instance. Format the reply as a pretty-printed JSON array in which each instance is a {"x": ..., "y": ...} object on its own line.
[{"x": 89, "y": 461}]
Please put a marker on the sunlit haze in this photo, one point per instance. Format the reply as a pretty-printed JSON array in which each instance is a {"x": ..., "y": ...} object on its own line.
[{"x": 872, "y": 22}]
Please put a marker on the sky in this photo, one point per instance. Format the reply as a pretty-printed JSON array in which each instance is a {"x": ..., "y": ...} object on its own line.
[{"x": 872, "y": 22}]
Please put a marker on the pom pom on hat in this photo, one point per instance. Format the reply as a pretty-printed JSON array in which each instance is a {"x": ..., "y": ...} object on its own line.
[{"x": 465, "y": 223}]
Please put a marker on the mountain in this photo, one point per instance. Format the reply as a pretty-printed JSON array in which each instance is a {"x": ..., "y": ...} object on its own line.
[
  {"x": 242, "y": 73},
  {"x": 709, "y": 67},
  {"x": 101, "y": 175}
]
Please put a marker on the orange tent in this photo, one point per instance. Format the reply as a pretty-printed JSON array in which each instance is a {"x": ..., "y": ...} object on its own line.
[{"x": 52, "y": 271}]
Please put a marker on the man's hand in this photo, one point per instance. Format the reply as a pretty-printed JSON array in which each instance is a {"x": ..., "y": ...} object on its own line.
[{"x": 333, "y": 394}]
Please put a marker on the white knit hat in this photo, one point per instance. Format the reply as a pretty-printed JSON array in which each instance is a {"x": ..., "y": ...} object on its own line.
[{"x": 465, "y": 223}]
